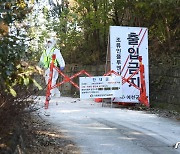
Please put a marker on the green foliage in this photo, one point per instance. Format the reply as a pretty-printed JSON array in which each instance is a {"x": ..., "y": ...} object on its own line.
[
  {"x": 83, "y": 31},
  {"x": 14, "y": 71},
  {"x": 84, "y": 27},
  {"x": 162, "y": 20},
  {"x": 70, "y": 37}
]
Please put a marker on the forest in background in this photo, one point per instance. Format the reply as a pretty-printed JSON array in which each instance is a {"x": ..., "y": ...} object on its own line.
[{"x": 82, "y": 29}]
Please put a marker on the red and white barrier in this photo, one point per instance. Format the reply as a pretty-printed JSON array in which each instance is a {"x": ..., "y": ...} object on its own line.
[{"x": 143, "y": 98}]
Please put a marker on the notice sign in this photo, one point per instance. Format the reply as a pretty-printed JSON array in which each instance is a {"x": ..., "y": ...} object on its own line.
[
  {"x": 126, "y": 45},
  {"x": 100, "y": 87}
]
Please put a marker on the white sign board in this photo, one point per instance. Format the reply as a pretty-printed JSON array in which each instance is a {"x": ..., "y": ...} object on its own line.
[
  {"x": 126, "y": 45},
  {"x": 100, "y": 86}
]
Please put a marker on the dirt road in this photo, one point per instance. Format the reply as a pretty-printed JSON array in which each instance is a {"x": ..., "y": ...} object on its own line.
[{"x": 107, "y": 130}]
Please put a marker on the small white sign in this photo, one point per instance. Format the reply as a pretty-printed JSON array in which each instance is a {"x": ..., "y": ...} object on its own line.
[{"x": 100, "y": 87}]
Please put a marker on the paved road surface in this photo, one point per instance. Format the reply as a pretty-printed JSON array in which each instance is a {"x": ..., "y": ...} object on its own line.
[{"x": 106, "y": 130}]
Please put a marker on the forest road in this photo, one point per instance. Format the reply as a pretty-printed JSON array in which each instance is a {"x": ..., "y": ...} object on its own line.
[{"x": 107, "y": 130}]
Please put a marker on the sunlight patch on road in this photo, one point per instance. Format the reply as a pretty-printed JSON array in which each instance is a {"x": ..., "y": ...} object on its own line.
[
  {"x": 51, "y": 134},
  {"x": 102, "y": 128},
  {"x": 107, "y": 144},
  {"x": 69, "y": 111},
  {"x": 137, "y": 133},
  {"x": 126, "y": 138}
]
